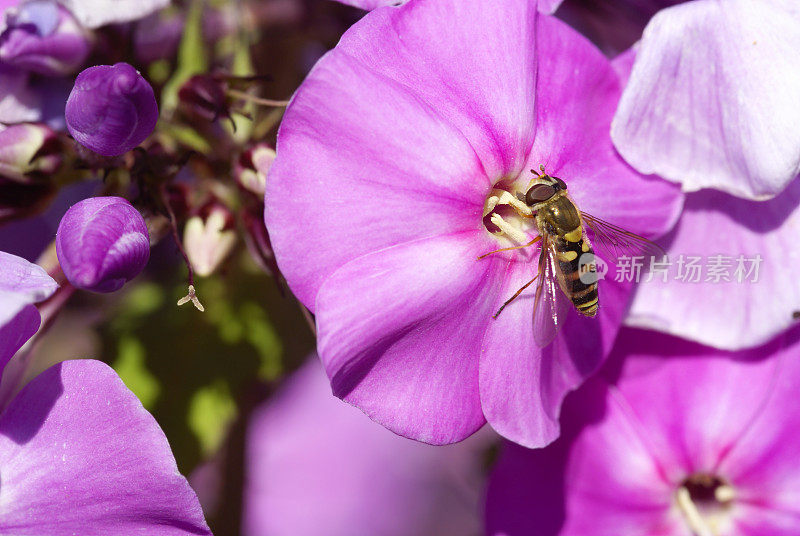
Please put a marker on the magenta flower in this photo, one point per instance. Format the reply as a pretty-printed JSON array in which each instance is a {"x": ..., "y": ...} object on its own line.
[
  {"x": 102, "y": 243},
  {"x": 685, "y": 440},
  {"x": 78, "y": 452},
  {"x": 388, "y": 157},
  {"x": 111, "y": 109},
  {"x": 697, "y": 109},
  {"x": 317, "y": 466},
  {"x": 42, "y": 37}
]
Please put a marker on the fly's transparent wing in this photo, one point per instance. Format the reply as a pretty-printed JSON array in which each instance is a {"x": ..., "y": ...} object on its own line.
[
  {"x": 550, "y": 306},
  {"x": 611, "y": 242}
]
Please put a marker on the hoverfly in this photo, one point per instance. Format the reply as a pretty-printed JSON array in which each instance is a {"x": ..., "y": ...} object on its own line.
[{"x": 565, "y": 248}]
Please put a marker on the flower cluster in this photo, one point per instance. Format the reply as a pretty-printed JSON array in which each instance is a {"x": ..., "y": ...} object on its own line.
[{"x": 570, "y": 224}]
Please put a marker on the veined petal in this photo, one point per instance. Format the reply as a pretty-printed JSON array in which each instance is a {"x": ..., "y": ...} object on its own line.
[
  {"x": 399, "y": 132},
  {"x": 762, "y": 464},
  {"x": 749, "y": 297},
  {"x": 400, "y": 331},
  {"x": 522, "y": 386},
  {"x": 712, "y": 99},
  {"x": 81, "y": 456},
  {"x": 21, "y": 283}
]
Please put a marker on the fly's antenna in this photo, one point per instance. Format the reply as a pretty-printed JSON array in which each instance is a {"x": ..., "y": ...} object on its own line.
[{"x": 541, "y": 168}]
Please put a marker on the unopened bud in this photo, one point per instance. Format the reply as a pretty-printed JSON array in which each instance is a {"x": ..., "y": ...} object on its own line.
[
  {"x": 111, "y": 109},
  {"x": 102, "y": 243},
  {"x": 203, "y": 96}
]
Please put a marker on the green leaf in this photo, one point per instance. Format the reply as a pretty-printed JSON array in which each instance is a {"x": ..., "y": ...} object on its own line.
[
  {"x": 211, "y": 411},
  {"x": 192, "y": 58},
  {"x": 130, "y": 365}
]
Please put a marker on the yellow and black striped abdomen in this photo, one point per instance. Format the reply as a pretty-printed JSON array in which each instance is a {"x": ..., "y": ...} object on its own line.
[{"x": 568, "y": 250}]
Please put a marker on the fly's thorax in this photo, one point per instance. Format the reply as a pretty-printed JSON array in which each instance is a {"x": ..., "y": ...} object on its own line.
[{"x": 558, "y": 216}]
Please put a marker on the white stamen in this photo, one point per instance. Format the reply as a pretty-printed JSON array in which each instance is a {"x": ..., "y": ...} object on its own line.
[
  {"x": 491, "y": 203},
  {"x": 192, "y": 296},
  {"x": 693, "y": 518},
  {"x": 508, "y": 229},
  {"x": 724, "y": 494},
  {"x": 502, "y": 197}
]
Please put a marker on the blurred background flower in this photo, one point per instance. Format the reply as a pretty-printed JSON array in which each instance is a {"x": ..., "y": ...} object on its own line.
[
  {"x": 672, "y": 438},
  {"x": 316, "y": 465}
]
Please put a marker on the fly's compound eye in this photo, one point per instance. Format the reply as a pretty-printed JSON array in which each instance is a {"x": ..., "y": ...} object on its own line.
[{"x": 538, "y": 193}]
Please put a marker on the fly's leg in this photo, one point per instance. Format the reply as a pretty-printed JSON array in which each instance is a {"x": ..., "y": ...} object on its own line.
[
  {"x": 532, "y": 242},
  {"x": 512, "y": 298}
]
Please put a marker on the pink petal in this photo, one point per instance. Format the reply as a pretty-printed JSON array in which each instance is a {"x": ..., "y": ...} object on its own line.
[
  {"x": 522, "y": 386},
  {"x": 398, "y": 133},
  {"x": 762, "y": 464},
  {"x": 81, "y": 456},
  {"x": 713, "y": 224},
  {"x": 712, "y": 99},
  {"x": 400, "y": 333},
  {"x": 318, "y": 466},
  {"x": 692, "y": 402}
]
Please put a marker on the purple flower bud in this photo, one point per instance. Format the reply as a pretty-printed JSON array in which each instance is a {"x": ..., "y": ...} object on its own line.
[
  {"x": 102, "y": 243},
  {"x": 42, "y": 37},
  {"x": 111, "y": 109},
  {"x": 203, "y": 96}
]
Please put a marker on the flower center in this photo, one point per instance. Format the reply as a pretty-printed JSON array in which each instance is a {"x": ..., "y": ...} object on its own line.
[
  {"x": 704, "y": 501},
  {"x": 506, "y": 217}
]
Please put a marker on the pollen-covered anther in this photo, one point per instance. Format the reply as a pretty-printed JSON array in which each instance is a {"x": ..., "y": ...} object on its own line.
[
  {"x": 509, "y": 216},
  {"x": 503, "y": 197},
  {"x": 704, "y": 500},
  {"x": 509, "y": 230}
]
